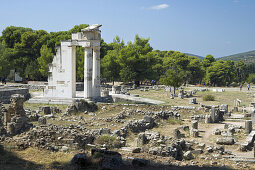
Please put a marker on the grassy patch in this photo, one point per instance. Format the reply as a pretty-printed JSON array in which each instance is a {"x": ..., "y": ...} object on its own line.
[
  {"x": 110, "y": 141},
  {"x": 36, "y": 106},
  {"x": 175, "y": 121},
  {"x": 208, "y": 97}
]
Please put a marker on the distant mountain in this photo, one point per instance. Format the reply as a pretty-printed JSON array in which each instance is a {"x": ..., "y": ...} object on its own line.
[
  {"x": 200, "y": 57},
  {"x": 247, "y": 57}
]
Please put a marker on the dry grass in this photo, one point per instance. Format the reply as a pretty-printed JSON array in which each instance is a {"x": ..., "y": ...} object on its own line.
[
  {"x": 226, "y": 97},
  {"x": 41, "y": 159},
  {"x": 32, "y": 158},
  {"x": 44, "y": 157},
  {"x": 33, "y": 106}
]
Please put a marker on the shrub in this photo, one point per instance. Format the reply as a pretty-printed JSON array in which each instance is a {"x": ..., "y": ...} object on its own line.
[
  {"x": 208, "y": 97},
  {"x": 108, "y": 140}
]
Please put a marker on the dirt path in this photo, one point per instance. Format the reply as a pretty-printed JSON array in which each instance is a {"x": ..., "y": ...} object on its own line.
[{"x": 209, "y": 131}]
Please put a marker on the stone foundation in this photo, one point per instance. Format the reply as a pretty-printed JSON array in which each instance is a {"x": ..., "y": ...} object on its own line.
[{"x": 5, "y": 94}]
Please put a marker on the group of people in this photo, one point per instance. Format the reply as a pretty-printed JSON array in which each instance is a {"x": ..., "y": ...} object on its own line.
[{"x": 248, "y": 87}]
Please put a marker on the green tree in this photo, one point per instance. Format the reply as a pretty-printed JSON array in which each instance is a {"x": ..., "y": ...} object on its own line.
[
  {"x": 134, "y": 61},
  {"x": 208, "y": 60},
  {"x": 110, "y": 66},
  {"x": 251, "y": 78},
  {"x": 196, "y": 70},
  {"x": 241, "y": 71},
  {"x": 173, "y": 77},
  {"x": 79, "y": 63},
  {"x": 78, "y": 28},
  {"x": 45, "y": 59},
  {"x": 12, "y": 35},
  {"x": 4, "y": 63},
  {"x": 31, "y": 73},
  {"x": 220, "y": 73}
]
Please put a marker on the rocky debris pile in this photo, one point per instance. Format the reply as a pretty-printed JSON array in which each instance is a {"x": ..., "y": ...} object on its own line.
[
  {"x": 187, "y": 94},
  {"x": 119, "y": 118},
  {"x": 47, "y": 110},
  {"x": 200, "y": 117},
  {"x": 227, "y": 134},
  {"x": 228, "y": 131},
  {"x": 15, "y": 120},
  {"x": 249, "y": 142},
  {"x": 156, "y": 144},
  {"x": 54, "y": 138},
  {"x": 99, "y": 159},
  {"x": 32, "y": 115},
  {"x": 81, "y": 106},
  {"x": 142, "y": 125},
  {"x": 184, "y": 107},
  {"x": 216, "y": 114},
  {"x": 3, "y": 111},
  {"x": 108, "y": 159}
]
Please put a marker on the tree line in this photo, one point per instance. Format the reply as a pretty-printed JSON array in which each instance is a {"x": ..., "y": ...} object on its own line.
[{"x": 30, "y": 51}]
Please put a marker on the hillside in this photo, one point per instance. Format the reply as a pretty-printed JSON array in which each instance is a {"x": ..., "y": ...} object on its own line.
[
  {"x": 247, "y": 57},
  {"x": 200, "y": 57}
]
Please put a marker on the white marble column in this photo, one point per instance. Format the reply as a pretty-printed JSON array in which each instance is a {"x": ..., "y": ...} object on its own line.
[
  {"x": 73, "y": 71},
  {"x": 88, "y": 73},
  {"x": 96, "y": 72}
]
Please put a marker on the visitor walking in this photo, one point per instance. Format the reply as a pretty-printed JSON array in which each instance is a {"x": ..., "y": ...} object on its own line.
[
  {"x": 248, "y": 86},
  {"x": 241, "y": 86}
]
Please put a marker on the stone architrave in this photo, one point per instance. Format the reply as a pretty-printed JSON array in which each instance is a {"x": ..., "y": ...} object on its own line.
[{"x": 62, "y": 71}]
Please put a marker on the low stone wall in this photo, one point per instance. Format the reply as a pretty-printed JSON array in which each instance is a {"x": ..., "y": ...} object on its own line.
[{"x": 5, "y": 94}]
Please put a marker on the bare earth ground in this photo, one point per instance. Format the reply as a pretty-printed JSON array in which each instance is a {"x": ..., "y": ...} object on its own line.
[{"x": 33, "y": 158}]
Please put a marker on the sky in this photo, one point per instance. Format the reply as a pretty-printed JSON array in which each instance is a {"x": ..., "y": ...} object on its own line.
[{"x": 201, "y": 27}]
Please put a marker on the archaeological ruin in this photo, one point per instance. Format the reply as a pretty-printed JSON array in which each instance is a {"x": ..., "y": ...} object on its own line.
[{"x": 62, "y": 71}]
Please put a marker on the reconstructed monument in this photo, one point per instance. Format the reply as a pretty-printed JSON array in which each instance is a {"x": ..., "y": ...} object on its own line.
[{"x": 62, "y": 71}]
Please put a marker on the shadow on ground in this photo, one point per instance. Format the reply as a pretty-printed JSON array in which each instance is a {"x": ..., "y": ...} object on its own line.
[{"x": 10, "y": 161}]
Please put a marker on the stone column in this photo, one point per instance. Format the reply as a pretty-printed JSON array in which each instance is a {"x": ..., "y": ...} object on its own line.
[
  {"x": 194, "y": 124},
  {"x": 213, "y": 116},
  {"x": 207, "y": 118},
  {"x": 73, "y": 71},
  {"x": 248, "y": 126},
  {"x": 177, "y": 134},
  {"x": 96, "y": 72},
  {"x": 88, "y": 73}
]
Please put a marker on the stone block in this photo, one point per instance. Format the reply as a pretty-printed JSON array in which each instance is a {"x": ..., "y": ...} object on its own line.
[
  {"x": 177, "y": 134},
  {"x": 42, "y": 121},
  {"x": 194, "y": 124},
  {"x": 225, "y": 141},
  {"x": 248, "y": 126},
  {"x": 194, "y": 133}
]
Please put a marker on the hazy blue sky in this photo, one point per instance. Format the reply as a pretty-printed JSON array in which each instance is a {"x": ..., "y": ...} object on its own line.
[{"x": 217, "y": 27}]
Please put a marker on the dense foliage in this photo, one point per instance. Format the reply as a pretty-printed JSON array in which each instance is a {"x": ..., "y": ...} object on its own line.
[{"x": 30, "y": 51}]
